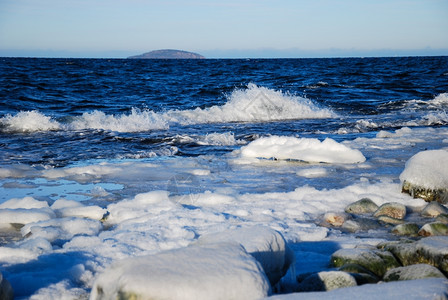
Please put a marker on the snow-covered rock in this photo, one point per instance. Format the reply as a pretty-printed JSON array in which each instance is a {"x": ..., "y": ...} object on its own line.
[
  {"x": 327, "y": 281},
  {"x": 266, "y": 245},
  {"x": 302, "y": 149},
  {"x": 213, "y": 271},
  {"x": 426, "y": 176},
  {"x": 419, "y": 271}
]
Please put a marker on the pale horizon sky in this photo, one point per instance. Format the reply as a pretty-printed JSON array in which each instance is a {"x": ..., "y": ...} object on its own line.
[{"x": 224, "y": 29}]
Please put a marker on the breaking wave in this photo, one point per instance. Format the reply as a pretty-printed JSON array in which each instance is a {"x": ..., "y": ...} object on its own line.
[{"x": 254, "y": 104}]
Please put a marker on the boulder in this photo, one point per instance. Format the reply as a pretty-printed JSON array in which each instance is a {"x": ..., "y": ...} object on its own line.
[
  {"x": 360, "y": 224},
  {"x": 362, "y": 206},
  {"x": 419, "y": 271},
  {"x": 326, "y": 281},
  {"x": 392, "y": 209},
  {"x": 410, "y": 229},
  {"x": 336, "y": 219},
  {"x": 430, "y": 250},
  {"x": 434, "y": 228},
  {"x": 361, "y": 274},
  {"x": 442, "y": 218},
  {"x": 377, "y": 262},
  {"x": 426, "y": 176},
  {"x": 214, "y": 271},
  {"x": 266, "y": 245},
  {"x": 390, "y": 220},
  {"x": 433, "y": 209}
]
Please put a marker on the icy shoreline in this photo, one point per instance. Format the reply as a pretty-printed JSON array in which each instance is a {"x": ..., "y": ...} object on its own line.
[{"x": 63, "y": 245}]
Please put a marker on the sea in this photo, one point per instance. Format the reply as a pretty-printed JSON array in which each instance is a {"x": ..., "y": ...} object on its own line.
[{"x": 103, "y": 131}]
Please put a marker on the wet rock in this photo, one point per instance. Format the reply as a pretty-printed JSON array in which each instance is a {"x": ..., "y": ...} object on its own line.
[
  {"x": 427, "y": 194},
  {"x": 392, "y": 209},
  {"x": 433, "y": 209},
  {"x": 430, "y": 250},
  {"x": 434, "y": 228},
  {"x": 410, "y": 229},
  {"x": 360, "y": 224},
  {"x": 6, "y": 292},
  {"x": 390, "y": 220},
  {"x": 326, "y": 281},
  {"x": 419, "y": 271},
  {"x": 377, "y": 262},
  {"x": 336, "y": 219},
  {"x": 363, "y": 206},
  {"x": 442, "y": 218}
]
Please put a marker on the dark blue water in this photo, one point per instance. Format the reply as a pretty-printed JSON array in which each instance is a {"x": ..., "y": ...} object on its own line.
[{"x": 60, "y": 111}]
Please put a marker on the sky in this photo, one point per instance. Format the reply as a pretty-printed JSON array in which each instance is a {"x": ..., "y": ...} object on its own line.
[{"x": 224, "y": 29}]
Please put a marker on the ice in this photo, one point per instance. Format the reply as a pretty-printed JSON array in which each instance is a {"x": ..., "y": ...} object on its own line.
[
  {"x": 214, "y": 271},
  {"x": 302, "y": 149},
  {"x": 25, "y": 216},
  {"x": 26, "y": 202},
  {"x": 428, "y": 169}
]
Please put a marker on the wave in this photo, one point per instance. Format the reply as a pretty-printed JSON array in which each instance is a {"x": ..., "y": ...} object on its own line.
[
  {"x": 438, "y": 102},
  {"x": 253, "y": 104}
]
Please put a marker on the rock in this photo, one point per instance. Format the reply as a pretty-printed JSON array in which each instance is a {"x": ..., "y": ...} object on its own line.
[
  {"x": 419, "y": 271},
  {"x": 442, "y": 218},
  {"x": 430, "y": 250},
  {"x": 410, "y": 229},
  {"x": 361, "y": 274},
  {"x": 6, "y": 291},
  {"x": 426, "y": 176},
  {"x": 360, "y": 224},
  {"x": 377, "y": 262},
  {"x": 433, "y": 209},
  {"x": 392, "y": 209},
  {"x": 336, "y": 219},
  {"x": 363, "y": 206},
  {"x": 215, "y": 271},
  {"x": 326, "y": 281},
  {"x": 390, "y": 220},
  {"x": 168, "y": 54},
  {"x": 434, "y": 228},
  {"x": 266, "y": 245}
]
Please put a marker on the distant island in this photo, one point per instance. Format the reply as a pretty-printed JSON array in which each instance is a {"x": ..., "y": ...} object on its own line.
[{"x": 168, "y": 54}]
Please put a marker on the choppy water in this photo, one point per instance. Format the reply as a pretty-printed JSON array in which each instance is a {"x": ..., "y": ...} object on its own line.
[{"x": 55, "y": 112}]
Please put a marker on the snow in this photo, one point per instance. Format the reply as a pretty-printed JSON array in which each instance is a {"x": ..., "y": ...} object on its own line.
[
  {"x": 212, "y": 271},
  {"x": 302, "y": 149},
  {"x": 65, "y": 246},
  {"x": 428, "y": 169}
]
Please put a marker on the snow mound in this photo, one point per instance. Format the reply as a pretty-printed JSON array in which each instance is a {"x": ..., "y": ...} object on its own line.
[
  {"x": 266, "y": 245},
  {"x": 302, "y": 149},
  {"x": 427, "y": 169},
  {"x": 215, "y": 271}
]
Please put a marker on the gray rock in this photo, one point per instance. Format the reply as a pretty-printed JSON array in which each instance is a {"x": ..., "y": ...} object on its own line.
[
  {"x": 410, "y": 229},
  {"x": 360, "y": 224},
  {"x": 6, "y": 291},
  {"x": 419, "y": 271},
  {"x": 336, "y": 219},
  {"x": 327, "y": 281},
  {"x": 390, "y": 220},
  {"x": 361, "y": 274},
  {"x": 392, "y": 209},
  {"x": 430, "y": 250},
  {"x": 434, "y": 228},
  {"x": 433, "y": 209},
  {"x": 442, "y": 218},
  {"x": 363, "y": 206},
  {"x": 377, "y": 262}
]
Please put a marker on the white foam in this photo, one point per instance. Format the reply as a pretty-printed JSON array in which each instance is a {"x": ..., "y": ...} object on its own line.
[
  {"x": 137, "y": 120},
  {"x": 302, "y": 149},
  {"x": 312, "y": 172},
  {"x": 29, "y": 121},
  {"x": 254, "y": 104},
  {"x": 219, "y": 139}
]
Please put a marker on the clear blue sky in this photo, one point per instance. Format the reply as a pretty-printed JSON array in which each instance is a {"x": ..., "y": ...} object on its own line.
[{"x": 232, "y": 28}]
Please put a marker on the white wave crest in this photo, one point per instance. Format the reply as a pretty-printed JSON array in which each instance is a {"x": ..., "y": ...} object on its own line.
[
  {"x": 254, "y": 104},
  {"x": 219, "y": 139},
  {"x": 29, "y": 121},
  {"x": 137, "y": 120}
]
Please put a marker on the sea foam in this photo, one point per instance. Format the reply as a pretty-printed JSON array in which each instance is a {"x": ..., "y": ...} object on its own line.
[{"x": 28, "y": 121}]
